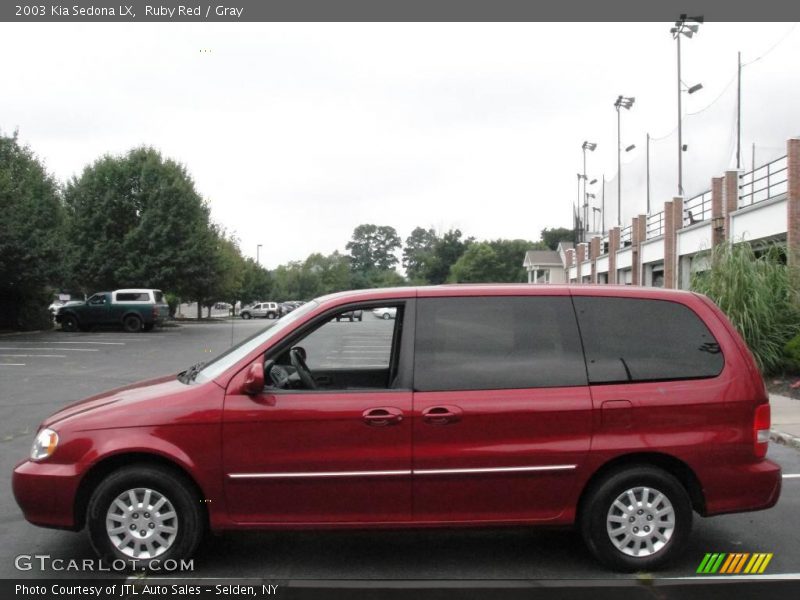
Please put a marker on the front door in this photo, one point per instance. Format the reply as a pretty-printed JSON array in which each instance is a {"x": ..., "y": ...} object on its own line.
[
  {"x": 502, "y": 412},
  {"x": 337, "y": 450}
]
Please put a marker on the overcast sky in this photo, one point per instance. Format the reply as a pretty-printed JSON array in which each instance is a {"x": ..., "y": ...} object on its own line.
[{"x": 297, "y": 133}]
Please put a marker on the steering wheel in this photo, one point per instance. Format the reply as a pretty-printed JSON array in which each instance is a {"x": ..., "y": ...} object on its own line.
[{"x": 296, "y": 355}]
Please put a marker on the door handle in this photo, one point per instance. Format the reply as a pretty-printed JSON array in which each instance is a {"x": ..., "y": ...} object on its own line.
[
  {"x": 441, "y": 415},
  {"x": 381, "y": 417}
]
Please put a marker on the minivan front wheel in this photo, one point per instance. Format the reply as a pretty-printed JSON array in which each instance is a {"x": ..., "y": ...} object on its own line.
[
  {"x": 637, "y": 519},
  {"x": 142, "y": 513}
]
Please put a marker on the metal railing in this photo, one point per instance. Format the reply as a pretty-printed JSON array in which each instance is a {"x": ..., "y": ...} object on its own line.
[
  {"x": 655, "y": 225},
  {"x": 764, "y": 182},
  {"x": 625, "y": 236},
  {"x": 697, "y": 209}
]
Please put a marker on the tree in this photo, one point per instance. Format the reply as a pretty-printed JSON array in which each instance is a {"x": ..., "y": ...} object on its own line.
[
  {"x": 31, "y": 237},
  {"x": 373, "y": 247},
  {"x": 446, "y": 251},
  {"x": 228, "y": 273},
  {"x": 551, "y": 237},
  {"x": 137, "y": 221},
  {"x": 498, "y": 261},
  {"x": 257, "y": 283},
  {"x": 418, "y": 252}
]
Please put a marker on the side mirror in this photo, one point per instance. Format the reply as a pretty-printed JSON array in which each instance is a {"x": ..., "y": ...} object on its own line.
[{"x": 254, "y": 379}]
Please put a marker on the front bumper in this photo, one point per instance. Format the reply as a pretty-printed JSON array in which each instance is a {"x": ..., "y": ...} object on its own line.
[{"x": 46, "y": 493}]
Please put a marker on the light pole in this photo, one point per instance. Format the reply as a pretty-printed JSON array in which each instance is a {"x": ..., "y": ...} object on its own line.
[
  {"x": 590, "y": 146},
  {"x": 258, "y": 255},
  {"x": 683, "y": 28},
  {"x": 626, "y": 103}
]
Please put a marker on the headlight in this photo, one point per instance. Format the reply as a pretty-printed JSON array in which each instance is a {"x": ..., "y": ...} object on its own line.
[{"x": 44, "y": 444}]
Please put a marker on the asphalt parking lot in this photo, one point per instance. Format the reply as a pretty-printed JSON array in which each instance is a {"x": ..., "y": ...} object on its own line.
[{"x": 41, "y": 372}]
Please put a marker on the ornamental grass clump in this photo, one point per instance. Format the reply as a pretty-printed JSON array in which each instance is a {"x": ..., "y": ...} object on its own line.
[{"x": 758, "y": 293}]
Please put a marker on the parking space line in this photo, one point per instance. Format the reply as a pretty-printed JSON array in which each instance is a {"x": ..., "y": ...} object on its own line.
[
  {"x": 91, "y": 342},
  {"x": 62, "y": 349},
  {"x": 35, "y": 355},
  {"x": 791, "y": 476},
  {"x": 12, "y": 364}
]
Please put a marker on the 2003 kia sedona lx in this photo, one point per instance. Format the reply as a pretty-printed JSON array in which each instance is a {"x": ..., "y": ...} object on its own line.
[{"x": 620, "y": 410}]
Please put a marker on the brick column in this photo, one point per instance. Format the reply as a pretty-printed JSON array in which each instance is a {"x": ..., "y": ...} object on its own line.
[
  {"x": 594, "y": 252},
  {"x": 730, "y": 199},
  {"x": 580, "y": 255},
  {"x": 717, "y": 230},
  {"x": 613, "y": 246},
  {"x": 638, "y": 235},
  {"x": 673, "y": 221},
  {"x": 793, "y": 202}
]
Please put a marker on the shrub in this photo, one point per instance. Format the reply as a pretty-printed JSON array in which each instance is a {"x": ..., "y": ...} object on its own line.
[
  {"x": 792, "y": 353},
  {"x": 172, "y": 301},
  {"x": 759, "y": 296}
]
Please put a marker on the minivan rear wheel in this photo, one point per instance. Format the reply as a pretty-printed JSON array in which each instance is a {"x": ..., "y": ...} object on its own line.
[
  {"x": 636, "y": 519},
  {"x": 144, "y": 512}
]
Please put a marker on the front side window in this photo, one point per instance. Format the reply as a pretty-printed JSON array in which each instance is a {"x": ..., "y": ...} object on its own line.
[
  {"x": 97, "y": 299},
  {"x": 353, "y": 349},
  {"x": 631, "y": 339},
  {"x": 497, "y": 343}
]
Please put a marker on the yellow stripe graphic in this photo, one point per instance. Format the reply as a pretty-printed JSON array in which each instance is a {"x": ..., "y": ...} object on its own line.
[
  {"x": 752, "y": 563},
  {"x": 765, "y": 563}
]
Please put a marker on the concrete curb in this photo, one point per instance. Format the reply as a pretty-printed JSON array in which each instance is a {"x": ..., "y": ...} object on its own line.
[{"x": 784, "y": 439}]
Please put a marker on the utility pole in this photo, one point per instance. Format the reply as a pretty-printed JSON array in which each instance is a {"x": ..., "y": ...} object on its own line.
[
  {"x": 739, "y": 114},
  {"x": 648, "y": 173}
]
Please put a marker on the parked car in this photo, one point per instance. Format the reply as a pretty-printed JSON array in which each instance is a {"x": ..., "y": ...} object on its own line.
[
  {"x": 350, "y": 315},
  {"x": 133, "y": 309},
  {"x": 267, "y": 310},
  {"x": 621, "y": 411},
  {"x": 385, "y": 312}
]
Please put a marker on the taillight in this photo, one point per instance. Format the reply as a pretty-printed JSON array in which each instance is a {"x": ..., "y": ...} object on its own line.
[
  {"x": 155, "y": 311},
  {"x": 761, "y": 423}
]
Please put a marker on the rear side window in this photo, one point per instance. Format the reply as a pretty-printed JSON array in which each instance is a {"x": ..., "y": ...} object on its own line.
[
  {"x": 158, "y": 296},
  {"x": 629, "y": 339},
  {"x": 133, "y": 297},
  {"x": 497, "y": 343}
]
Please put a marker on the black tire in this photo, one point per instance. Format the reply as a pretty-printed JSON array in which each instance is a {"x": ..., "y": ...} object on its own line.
[
  {"x": 69, "y": 323},
  {"x": 132, "y": 324},
  {"x": 598, "y": 504},
  {"x": 386, "y": 316},
  {"x": 191, "y": 522},
  {"x": 246, "y": 315},
  {"x": 338, "y": 319},
  {"x": 360, "y": 317},
  {"x": 351, "y": 318}
]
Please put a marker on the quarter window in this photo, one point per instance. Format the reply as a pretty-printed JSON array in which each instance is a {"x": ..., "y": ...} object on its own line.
[
  {"x": 497, "y": 343},
  {"x": 629, "y": 339}
]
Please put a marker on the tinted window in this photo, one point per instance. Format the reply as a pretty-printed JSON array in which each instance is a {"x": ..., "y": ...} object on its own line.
[
  {"x": 133, "y": 297},
  {"x": 629, "y": 339},
  {"x": 497, "y": 343},
  {"x": 158, "y": 296}
]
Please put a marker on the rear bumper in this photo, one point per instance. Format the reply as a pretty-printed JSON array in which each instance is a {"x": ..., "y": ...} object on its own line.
[
  {"x": 46, "y": 493},
  {"x": 743, "y": 488}
]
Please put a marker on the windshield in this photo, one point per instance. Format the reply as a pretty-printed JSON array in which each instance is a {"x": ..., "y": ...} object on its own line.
[{"x": 230, "y": 357}]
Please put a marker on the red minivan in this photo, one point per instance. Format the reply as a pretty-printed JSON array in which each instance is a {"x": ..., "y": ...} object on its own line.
[{"x": 619, "y": 410}]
